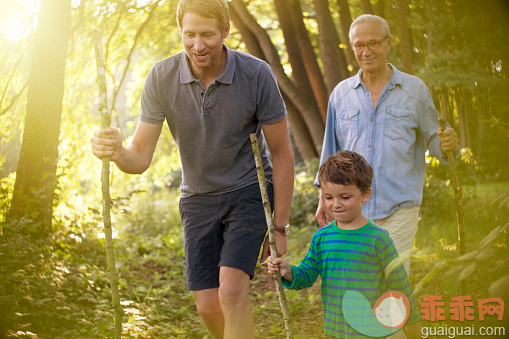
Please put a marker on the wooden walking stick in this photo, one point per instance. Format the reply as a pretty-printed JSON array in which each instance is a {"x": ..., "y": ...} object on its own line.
[
  {"x": 272, "y": 233},
  {"x": 105, "y": 180},
  {"x": 458, "y": 192}
]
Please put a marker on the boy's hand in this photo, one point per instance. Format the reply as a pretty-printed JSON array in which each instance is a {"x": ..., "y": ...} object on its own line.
[{"x": 284, "y": 268}]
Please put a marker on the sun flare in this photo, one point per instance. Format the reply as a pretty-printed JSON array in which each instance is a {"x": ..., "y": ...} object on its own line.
[{"x": 18, "y": 18}]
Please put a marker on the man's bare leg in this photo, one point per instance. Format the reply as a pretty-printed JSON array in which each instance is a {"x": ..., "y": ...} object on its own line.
[
  {"x": 209, "y": 309},
  {"x": 234, "y": 300}
]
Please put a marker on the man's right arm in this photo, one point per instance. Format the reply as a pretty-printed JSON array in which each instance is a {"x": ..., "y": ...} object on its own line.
[{"x": 133, "y": 159}]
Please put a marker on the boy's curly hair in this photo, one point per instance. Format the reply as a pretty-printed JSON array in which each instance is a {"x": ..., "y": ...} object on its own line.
[{"x": 346, "y": 168}]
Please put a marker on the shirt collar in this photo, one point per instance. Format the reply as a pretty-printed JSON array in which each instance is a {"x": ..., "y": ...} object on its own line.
[
  {"x": 396, "y": 77},
  {"x": 186, "y": 75}
]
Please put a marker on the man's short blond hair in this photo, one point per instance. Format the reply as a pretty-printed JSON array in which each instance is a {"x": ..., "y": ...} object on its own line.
[{"x": 217, "y": 9}]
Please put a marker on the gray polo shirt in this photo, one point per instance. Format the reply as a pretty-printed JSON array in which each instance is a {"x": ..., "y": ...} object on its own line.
[{"x": 211, "y": 127}]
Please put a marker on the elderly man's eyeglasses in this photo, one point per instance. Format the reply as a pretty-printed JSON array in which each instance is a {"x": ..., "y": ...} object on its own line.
[{"x": 373, "y": 45}]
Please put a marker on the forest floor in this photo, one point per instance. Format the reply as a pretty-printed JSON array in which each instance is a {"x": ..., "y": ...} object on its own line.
[{"x": 61, "y": 290}]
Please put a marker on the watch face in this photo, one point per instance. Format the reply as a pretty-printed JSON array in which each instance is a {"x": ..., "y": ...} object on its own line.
[{"x": 287, "y": 229}]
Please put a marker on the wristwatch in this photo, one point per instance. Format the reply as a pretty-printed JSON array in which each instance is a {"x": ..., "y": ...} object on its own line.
[{"x": 284, "y": 230}]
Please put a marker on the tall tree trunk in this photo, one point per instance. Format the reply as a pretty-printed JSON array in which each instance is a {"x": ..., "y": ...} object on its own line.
[
  {"x": 345, "y": 19},
  {"x": 309, "y": 57},
  {"x": 252, "y": 44},
  {"x": 35, "y": 176},
  {"x": 333, "y": 58},
  {"x": 429, "y": 44},
  {"x": 461, "y": 120},
  {"x": 299, "y": 74},
  {"x": 480, "y": 129},
  {"x": 309, "y": 113},
  {"x": 466, "y": 105},
  {"x": 380, "y": 8},
  {"x": 300, "y": 132},
  {"x": 404, "y": 36},
  {"x": 367, "y": 7}
]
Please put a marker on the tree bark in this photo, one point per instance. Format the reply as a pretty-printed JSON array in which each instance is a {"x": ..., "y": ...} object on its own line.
[
  {"x": 299, "y": 74},
  {"x": 466, "y": 104},
  {"x": 262, "y": 181},
  {"x": 458, "y": 192},
  {"x": 333, "y": 58},
  {"x": 36, "y": 173},
  {"x": 345, "y": 19},
  {"x": 366, "y": 7},
  {"x": 105, "y": 187},
  {"x": 404, "y": 36},
  {"x": 309, "y": 113},
  {"x": 309, "y": 57},
  {"x": 380, "y": 8},
  {"x": 300, "y": 132},
  {"x": 479, "y": 152},
  {"x": 461, "y": 120}
]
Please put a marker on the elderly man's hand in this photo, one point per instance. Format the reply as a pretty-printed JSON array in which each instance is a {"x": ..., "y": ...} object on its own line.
[{"x": 448, "y": 139}]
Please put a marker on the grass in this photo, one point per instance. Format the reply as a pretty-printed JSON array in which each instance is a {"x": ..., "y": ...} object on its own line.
[{"x": 59, "y": 289}]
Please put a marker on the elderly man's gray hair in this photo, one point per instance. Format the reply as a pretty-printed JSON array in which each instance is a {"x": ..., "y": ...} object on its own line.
[{"x": 367, "y": 18}]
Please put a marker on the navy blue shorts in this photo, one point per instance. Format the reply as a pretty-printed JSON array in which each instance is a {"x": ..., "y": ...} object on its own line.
[{"x": 226, "y": 229}]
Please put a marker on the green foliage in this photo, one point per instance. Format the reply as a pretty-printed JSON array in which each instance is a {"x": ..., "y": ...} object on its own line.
[
  {"x": 58, "y": 287},
  {"x": 305, "y": 194}
]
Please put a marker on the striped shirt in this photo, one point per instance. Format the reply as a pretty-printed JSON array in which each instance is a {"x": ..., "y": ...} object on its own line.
[{"x": 352, "y": 260}]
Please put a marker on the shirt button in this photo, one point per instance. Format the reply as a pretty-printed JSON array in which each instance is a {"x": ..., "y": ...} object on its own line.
[
  {"x": 371, "y": 119},
  {"x": 369, "y": 146}
]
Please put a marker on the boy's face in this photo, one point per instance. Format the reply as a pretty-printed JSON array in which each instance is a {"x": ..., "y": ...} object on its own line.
[{"x": 344, "y": 204}]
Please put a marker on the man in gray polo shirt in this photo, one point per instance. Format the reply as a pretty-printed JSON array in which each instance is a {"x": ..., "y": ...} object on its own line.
[{"x": 212, "y": 99}]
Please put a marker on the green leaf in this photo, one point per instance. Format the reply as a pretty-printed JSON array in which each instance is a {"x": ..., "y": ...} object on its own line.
[
  {"x": 451, "y": 279},
  {"x": 485, "y": 254},
  {"x": 494, "y": 234},
  {"x": 468, "y": 271},
  {"x": 398, "y": 261}
]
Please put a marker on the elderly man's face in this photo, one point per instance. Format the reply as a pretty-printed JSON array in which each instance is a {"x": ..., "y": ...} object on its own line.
[{"x": 371, "y": 60}]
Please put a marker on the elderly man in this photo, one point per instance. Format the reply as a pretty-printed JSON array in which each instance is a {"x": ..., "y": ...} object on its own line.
[
  {"x": 213, "y": 98},
  {"x": 388, "y": 117}
]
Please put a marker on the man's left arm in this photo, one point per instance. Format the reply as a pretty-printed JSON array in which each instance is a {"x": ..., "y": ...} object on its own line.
[{"x": 278, "y": 140}]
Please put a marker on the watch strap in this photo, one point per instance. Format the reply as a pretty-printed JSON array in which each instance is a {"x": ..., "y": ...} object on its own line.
[{"x": 281, "y": 229}]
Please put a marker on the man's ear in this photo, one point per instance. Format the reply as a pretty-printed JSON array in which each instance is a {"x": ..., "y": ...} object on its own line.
[
  {"x": 389, "y": 42},
  {"x": 226, "y": 31},
  {"x": 366, "y": 195}
]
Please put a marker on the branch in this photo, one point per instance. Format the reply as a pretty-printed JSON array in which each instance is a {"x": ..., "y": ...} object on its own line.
[
  {"x": 10, "y": 79},
  {"x": 105, "y": 175},
  {"x": 14, "y": 99},
  {"x": 133, "y": 47},
  {"x": 262, "y": 181}
]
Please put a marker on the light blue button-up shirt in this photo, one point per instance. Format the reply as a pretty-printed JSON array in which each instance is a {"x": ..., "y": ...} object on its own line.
[{"x": 393, "y": 137}]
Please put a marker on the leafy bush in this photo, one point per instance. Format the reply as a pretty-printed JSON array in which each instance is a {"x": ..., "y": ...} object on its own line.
[{"x": 305, "y": 194}]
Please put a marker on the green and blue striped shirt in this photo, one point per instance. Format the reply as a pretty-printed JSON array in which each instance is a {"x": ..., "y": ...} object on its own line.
[{"x": 350, "y": 260}]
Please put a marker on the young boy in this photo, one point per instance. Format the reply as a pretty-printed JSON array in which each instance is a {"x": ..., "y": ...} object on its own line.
[{"x": 351, "y": 253}]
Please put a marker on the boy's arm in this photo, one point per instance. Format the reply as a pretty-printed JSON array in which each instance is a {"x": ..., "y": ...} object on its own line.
[{"x": 307, "y": 272}]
